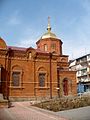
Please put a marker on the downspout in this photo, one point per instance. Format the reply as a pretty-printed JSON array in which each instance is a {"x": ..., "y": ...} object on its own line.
[
  {"x": 35, "y": 76},
  {"x": 58, "y": 85},
  {"x": 8, "y": 76},
  {"x": 50, "y": 76},
  {"x": 34, "y": 80}
]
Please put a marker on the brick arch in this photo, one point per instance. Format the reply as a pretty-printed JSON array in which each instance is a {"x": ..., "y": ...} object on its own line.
[
  {"x": 16, "y": 67},
  {"x": 41, "y": 68},
  {"x": 63, "y": 59}
]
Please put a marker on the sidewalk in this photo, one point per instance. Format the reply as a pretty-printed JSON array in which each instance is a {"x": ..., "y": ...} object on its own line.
[
  {"x": 23, "y": 111},
  {"x": 82, "y": 113}
]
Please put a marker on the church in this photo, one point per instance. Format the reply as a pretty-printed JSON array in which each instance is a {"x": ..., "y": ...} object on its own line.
[{"x": 28, "y": 73}]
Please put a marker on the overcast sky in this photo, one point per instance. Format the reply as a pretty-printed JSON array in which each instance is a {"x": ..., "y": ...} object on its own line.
[{"x": 23, "y": 22}]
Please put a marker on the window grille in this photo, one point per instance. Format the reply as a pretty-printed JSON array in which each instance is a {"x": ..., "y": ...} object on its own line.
[
  {"x": 16, "y": 79},
  {"x": 42, "y": 79}
]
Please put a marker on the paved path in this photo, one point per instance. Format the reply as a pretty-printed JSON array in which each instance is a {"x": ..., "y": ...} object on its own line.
[
  {"x": 76, "y": 114},
  {"x": 23, "y": 111}
]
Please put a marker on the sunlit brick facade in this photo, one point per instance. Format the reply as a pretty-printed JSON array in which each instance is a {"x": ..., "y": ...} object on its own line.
[{"x": 32, "y": 73}]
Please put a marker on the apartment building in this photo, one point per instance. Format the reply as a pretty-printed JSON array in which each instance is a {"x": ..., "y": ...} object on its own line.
[{"x": 82, "y": 66}]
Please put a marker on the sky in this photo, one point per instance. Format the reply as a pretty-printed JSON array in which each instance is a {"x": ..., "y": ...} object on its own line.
[{"x": 23, "y": 22}]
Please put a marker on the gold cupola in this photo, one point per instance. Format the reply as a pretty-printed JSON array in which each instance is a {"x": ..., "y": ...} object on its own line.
[
  {"x": 48, "y": 34},
  {"x": 49, "y": 42},
  {"x": 2, "y": 44}
]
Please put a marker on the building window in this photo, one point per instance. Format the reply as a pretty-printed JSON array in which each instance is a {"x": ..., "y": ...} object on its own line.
[
  {"x": 30, "y": 55},
  {"x": 42, "y": 79},
  {"x": 84, "y": 59},
  {"x": 53, "y": 46},
  {"x": 84, "y": 71},
  {"x": 45, "y": 47},
  {"x": 16, "y": 79},
  {"x": 79, "y": 72}
]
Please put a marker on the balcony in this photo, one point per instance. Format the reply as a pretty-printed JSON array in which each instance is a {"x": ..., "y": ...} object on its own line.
[
  {"x": 87, "y": 80},
  {"x": 83, "y": 61},
  {"x": 83, "y": 79},
  {"x": 81, "y": 74}
]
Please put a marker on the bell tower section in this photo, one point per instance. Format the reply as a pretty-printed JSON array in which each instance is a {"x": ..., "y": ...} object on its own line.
[{"x": 49, "y": 42}]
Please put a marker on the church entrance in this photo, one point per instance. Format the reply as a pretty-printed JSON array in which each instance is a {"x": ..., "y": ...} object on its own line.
[{"x": 65, "y": 86}]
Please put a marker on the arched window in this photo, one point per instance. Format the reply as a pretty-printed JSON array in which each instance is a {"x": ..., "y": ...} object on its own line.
[
  {"x": 30, "y": 55},
  {"x": 42, "y": 79},
  {"x": 53, "y": 46},
  {"x": 16, "y": 76},
  {"x": 45, "y": 47}
]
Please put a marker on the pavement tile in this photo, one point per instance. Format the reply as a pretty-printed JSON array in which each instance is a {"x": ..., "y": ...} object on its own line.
[{"x": 23, "y": 111}]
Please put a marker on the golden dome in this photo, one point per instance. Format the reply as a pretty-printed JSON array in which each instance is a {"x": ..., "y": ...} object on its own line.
[
  {"x": 2, "y": 43},
  {"x": 48, "y": 34}
]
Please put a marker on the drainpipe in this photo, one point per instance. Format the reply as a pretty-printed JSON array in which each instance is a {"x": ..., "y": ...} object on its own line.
[
  {"x": 8, "y": 77},
  {"x": 34, "y": 80},
  {"x": 50, "y": 76},
  {"x": 58, "y": 85}
]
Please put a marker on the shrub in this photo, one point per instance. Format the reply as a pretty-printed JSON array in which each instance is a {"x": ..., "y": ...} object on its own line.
[{"x": 64, "y": 103}]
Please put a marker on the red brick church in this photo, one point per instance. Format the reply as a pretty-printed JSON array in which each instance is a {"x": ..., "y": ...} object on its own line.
[{"x": 27, "y": 73}]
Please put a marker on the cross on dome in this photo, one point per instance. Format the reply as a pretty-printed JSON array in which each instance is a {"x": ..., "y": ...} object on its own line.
[{"x": 49, "y": 27}]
